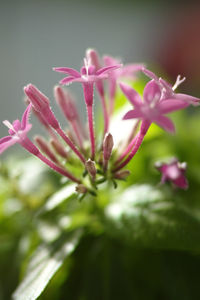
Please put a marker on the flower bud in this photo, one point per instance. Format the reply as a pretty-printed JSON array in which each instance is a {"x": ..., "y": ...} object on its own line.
[
  {"x": 66, "y": 103},
  {"x": 41, "y": 104},
  {"x": 37, "y": 98},
  {"x": 93, "y": 56},
  {"x": 107, "y": 146},
  {"x": 43, "y": 145},
  {"x": 81, "y": 189},
  {"x": 59, "y": 148},
  {"x": 122, "y": 174},
  {"x": 90, "y": 167}
]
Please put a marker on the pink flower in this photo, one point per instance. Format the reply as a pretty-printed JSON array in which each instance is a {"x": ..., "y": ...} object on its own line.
[
  {"x": 168, "y": 89},
  {"x": 174, "y": 172},
  {"x": 152, "y": 108},
  {"x": 88, "y": 75},
  {"x": 18, "y": 132}
]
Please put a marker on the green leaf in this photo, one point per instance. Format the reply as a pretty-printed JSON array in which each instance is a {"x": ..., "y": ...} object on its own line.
[
  {"x": 145, "y": 218},
  {"x": 59, "y": 197},
  {"x": 44, "y": 263}
]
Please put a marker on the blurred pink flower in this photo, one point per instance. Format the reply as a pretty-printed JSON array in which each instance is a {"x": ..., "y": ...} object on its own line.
[{"x": 174, "y": 172}]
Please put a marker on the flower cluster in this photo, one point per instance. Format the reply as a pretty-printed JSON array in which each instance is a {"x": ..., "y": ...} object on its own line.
[{"x": 96, "y": 156}]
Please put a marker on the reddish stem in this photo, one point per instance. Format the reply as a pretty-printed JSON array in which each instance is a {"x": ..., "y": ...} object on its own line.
[
  {"x": 77, "y": 133},
  {"x": 30, "y": 147},
  {"x": 127, "y": 150},
  {"x": 143, "y": 130},
  {"x": 91, "y": 130},
  {"x": 70, "y": 144},
  {"x": 57, "y": 168}
]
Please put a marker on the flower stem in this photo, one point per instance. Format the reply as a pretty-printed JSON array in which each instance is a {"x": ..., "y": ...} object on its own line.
[
  {"x": 127, "y": 150},
  {"x": 91, "y": 130},
  {"x": 57, "y": 168},
  {"x": 77, "y": 133},
  {"x": 30, "y": 147},
  {"x": 143, "y": 130},
  {"x": 70, "y": 144}
]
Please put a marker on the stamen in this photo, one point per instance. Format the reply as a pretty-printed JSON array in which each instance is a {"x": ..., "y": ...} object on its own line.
[
  {"x": 9, "y": 125},
  {"x": 178, "y": 82}
]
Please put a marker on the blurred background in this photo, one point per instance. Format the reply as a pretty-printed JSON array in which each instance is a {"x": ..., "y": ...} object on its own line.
[
  {"x": 149, "y": 257},
  {"x": 37, "y": 35}
]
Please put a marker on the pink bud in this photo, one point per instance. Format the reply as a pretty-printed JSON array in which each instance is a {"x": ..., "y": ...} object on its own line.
[
  {"x": 58, "y": 147},
  {"x": 107, "y": 146},
  {"x": 66, "y": 103},
  {"x": 37, "y": 98},
  {"x": 45, "y": 148},
  {"x": 41, "y": 104},
  {"x": 93, "y": 56}
]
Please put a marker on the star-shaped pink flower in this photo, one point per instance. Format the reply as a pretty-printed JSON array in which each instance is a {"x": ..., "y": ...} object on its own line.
[
  {"x": 152, "y": 108},
  {"x": 18, "y": 131},
  {"x": 174, "y": 172},
  {"x": 88, "y": 75}
]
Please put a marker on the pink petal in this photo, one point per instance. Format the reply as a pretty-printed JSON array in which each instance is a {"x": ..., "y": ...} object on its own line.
[
  {"x": 152, "y": 92},
  {"x": 133, "y": 114},
  {"x": 181, "y": 182},
  {"x": 5, "y": 139},
  {"x": 69, "y": 71},
  {"x": 130, "y": 69},
  {"x": 16, "y": 125},
  {"x": 110, "y": 61},
  {"x": 68, "y": 80},
  {"x": 170, "y": 105},
  {"x": 189, "y": 99},
  {"x": 25, "y": 117},
  {"x": 150, "y": 74},
  {"x": 131, "y": 94},
  {"x": 165, "y": 123},
  {"x": 108, "y": 69},
  {"x": 5, "y": 143}
]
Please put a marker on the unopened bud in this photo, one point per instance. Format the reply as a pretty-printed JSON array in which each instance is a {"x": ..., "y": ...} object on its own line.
[
  {"x": 66, "y": 103},
  {"x": 71, "y": 136},
  {"x": 93, "y": 56},
  {"x": 41, "y": 104},
  {"x": 122, "y": 174},
  {"x": 90, "y": 167},
  {"x": 59, "y": 148},
  {"x": 107, "y": 146},
  {"x": 36, "y": 97},
  {"x": 43, "y": 145},
  {"x": 81, "y": 189}
]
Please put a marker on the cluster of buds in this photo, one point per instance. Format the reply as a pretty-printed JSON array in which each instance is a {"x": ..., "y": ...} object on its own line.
[{"x": 78, "y": 147}]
